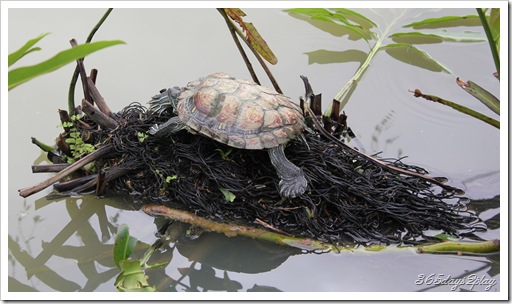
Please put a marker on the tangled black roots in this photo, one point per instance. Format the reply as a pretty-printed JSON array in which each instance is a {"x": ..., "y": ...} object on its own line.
[{"x": 351, "y": 199}]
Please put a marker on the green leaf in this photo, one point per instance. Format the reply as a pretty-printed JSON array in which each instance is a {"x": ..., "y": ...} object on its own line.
[
  {"x": 24, "y": 50},
  {"x": 441, "y": 236},
  {"x": 446, "y": 21},
  {"x": 481, "y": 94},
  {"x": 337, "y": 19},
  {"x": 123, "y": 245},
  {"x": 494, "y": 25},
  {"x": 326, "y": 56},
  {"x": 252, "y": 35},
  {"x": 223, "y": 154},
  {"x": 259, "y": 44},
  {"x": 422, "y": 37},
  {"x": 132, "y": 277},
  {"x": 356, "y": 17},
  {"x": 412, "y": 55},
  {"x": 23, "y": 74},
  {"x": 228, "y": 195},
  {"x": 170, "y": 178}
]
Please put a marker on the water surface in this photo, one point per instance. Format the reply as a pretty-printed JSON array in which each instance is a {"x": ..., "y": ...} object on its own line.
[{"x": 66, "y": 244}]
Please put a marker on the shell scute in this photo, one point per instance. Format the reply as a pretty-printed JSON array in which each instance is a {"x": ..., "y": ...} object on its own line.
[
  {"x": 239, "y": 113},
  {"x": 250, "y": 117}
]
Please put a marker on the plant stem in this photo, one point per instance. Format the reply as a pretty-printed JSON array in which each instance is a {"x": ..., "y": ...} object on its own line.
[
  {"x": 490, "y": 39},
  {"x": 461, "y": 247},
  {"x": 307, "y": 243},
  {"x": 97, "y": 26},
  {"x": 232, "y": 30},
  {"x": 458, "y": 107},
  {"x": 362, "y": 68},
  {"x": 234, "y": 230},
  {"x": 74, "y": 78},
  {"x": 258, "y": 57}
]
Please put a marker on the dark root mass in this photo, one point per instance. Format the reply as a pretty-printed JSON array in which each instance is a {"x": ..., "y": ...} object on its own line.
[{"x": 350, "y": 199}]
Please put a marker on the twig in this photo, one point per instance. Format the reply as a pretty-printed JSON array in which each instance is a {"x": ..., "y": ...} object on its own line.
[
  {"x": 271, "y": 227},
  {"x": 25, "y": 192},
  {"x": 74, "y": 78},
  {"x": 49, "y": 168},
  {"x": 74, "y": 183},
  {"x": 64, "y": 119},
  {"x": 93, "y": 75},
  {"x": 324, "y": 132},
  {"x": 111, "y": 174},
  {"x": 82, "y": 73},
  {"x": 258, "y": 57},
  {"x": 96, "y": 96},
  {"x": 97, "y": 116},
  {"x": 232, "y": 30}
]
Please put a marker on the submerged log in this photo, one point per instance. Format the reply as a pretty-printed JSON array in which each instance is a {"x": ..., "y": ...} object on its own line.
[{"x": 232, "y": 230}]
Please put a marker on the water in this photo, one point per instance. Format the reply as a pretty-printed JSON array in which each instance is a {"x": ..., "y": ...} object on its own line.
[{"x": 66, "y": 244}]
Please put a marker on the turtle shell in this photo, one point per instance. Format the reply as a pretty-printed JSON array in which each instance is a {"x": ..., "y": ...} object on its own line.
[{"x": 239, "y": 113}]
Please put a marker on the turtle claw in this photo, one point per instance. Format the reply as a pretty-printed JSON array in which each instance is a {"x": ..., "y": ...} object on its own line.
[
  {"x": 293, "y": 187},
  {"x": 154, "y": 129}
]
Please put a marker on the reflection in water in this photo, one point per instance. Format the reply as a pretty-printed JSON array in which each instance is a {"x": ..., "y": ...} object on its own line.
[{"x": 210, "y": 255}]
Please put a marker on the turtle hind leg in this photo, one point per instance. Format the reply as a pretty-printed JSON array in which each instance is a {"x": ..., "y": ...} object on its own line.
[
  {"x": 293, "y": 182},
  {"x": 173, "y": 125}
]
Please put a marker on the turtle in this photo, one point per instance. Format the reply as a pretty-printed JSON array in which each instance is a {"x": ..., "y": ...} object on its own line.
[{"x": 241, "y": 114}]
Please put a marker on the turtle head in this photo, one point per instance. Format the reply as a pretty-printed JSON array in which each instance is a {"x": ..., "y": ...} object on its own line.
[{"x": 168, "y": 98}]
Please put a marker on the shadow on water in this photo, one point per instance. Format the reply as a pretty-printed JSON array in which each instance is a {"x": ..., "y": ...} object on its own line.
[
  {"x": 210, "y": 257},
  {"x": 208, "y": 253}
]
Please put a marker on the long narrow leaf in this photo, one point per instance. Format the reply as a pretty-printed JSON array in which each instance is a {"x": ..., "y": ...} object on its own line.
[
  {"x": 445, "y": 21},
  {"x": 338, "y": 19},
  {"x": 443, "y": 36},
  {"x": 24, "y": 50},
  {"x": 481, "y": 94},
  {"x": 494, "y": 25},
  {"x": 23, "y": 74},
  {"x": 415, "y": 57},
  {"x": 354, "y": 16},
  {"x": 252, "y": 35},
  {"x": 259, "y": 44},
  {"x": 490, "y": 38}
]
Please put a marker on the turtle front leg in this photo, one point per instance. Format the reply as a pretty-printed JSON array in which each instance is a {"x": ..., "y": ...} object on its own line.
[
  {"x": 293, "y": 182},
  {"x": 173, "y": 125}
]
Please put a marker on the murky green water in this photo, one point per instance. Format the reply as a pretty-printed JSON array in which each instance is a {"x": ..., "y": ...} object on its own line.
[{"x": 66, "y": 244}]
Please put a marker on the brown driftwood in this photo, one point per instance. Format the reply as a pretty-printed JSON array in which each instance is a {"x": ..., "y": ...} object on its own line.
[
  {"x": 49, "y": 168},
  {"x": 98, "y": 99},
  {"x": 98, "y": 116},
  {"x": 72, "y": 168}
]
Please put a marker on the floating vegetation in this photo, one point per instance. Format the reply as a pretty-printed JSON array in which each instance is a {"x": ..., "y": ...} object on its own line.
[{"x": 352, "y": 198}]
